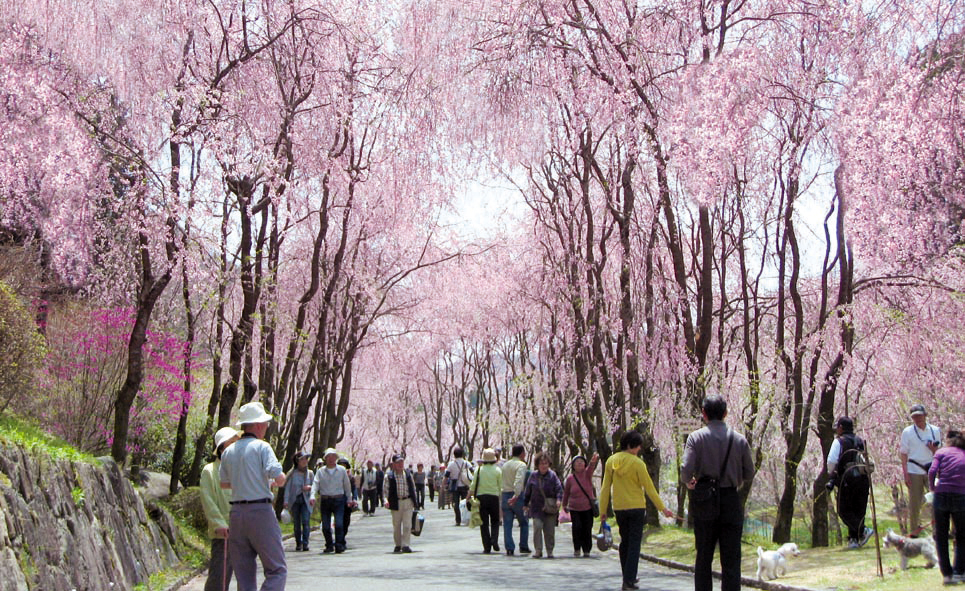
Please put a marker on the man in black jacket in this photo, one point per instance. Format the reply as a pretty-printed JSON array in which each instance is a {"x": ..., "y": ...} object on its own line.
[
  {"x": 399, "y": 490},
  {"x": 847, "y": 471}
]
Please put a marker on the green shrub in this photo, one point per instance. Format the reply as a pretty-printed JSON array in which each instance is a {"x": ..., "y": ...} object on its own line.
[
  {"x": 186, "y": 505},
  {"x": 21, "y": 349}
]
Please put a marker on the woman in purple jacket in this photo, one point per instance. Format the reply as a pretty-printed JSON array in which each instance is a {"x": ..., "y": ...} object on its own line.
[
  {"x": 946, "y": 479},
  {"x": 543, "y": 494},
  {"x": 578, "y": 498}
]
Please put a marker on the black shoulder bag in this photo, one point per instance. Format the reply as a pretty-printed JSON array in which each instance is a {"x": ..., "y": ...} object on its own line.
[
  {"x": 705, "y": 496},
  {"x": 595, "y": 504}
]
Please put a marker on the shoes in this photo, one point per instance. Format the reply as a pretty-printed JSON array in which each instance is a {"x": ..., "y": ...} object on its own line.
[
  {"x": 298, "y": 548},
  {"x": 627, "y": 586},
  {"x": 952, "y": 580},
  {"x": 586, "y": 554},
  {"x": 959, "y": 578},
  {"x": 549, "y": 555},
  {"x": 496, "y": 547},
  {"x": 524, "y": 550},
  {"x": 509, "y": 552},
  {"x": 577, "y": 554},
  {"x": 537, "y": 554},
  {"x": 406, "y": 550},
  {"x": 397, "y": 550},
  {"x": 853, "y": 544},
  {"x": 487, "y": 551},
  {"x": 868, "y": 532},
  {"x": 328, "y": 550},
  {"x": 305, "y": 548},
  {"x": 339, "y": 549}
]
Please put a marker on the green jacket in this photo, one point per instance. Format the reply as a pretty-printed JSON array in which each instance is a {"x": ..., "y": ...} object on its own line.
[{"x": 214, "y": 499}]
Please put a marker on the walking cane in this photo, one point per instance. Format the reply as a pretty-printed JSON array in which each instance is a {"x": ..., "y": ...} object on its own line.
[
  {"x": 874, "y": 522},
  {"x": 224, "y": 567}
]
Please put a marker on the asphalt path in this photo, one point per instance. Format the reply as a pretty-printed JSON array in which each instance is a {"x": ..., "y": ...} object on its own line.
[{"x": 450, "y": 557}]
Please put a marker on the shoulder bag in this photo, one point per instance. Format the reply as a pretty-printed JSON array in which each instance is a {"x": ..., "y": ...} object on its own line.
[
  {"x": 594, "y": 502},
  {"x": 705, "y": 496}
]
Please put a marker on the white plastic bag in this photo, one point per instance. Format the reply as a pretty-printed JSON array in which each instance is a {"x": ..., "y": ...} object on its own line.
[
  {"x": 464, "y": 511},
  {"x": 286, "y": 516}
]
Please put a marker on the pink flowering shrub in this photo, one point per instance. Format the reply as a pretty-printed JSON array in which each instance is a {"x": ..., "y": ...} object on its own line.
[{"x": 87, "y": 364}]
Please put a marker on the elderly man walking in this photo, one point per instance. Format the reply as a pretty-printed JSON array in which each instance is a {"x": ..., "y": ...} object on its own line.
[
  {"x": 399, "y": 493},
  {"x": 333, "y": 490},
  {"x": 249, "y": 468}
]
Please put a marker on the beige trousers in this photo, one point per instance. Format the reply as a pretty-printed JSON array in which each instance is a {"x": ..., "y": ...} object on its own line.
[
  {"x": 916, "y": 494},
  {"x": 544, "y": 529},
  {"x": 402, "y": 523}
]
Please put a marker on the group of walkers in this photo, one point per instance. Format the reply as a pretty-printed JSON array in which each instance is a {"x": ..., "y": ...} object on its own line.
[{"x": 236, "y": 492}]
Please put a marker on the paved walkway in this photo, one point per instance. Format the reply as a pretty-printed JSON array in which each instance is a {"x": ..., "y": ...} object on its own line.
[{"x": 450, "y": 557}]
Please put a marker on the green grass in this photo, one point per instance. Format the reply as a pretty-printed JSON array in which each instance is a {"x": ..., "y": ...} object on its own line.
[{"x": 14, "y": 431}]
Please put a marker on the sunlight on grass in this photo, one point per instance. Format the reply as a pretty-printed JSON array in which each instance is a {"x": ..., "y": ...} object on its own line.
[{"x": 14, "y": 431}]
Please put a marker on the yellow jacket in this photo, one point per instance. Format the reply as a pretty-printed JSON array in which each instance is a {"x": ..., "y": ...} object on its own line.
[{"x": 627, "y": 475}]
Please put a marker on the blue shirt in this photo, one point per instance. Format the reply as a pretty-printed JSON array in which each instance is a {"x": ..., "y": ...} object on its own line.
[{"x": 247, "y": 466}]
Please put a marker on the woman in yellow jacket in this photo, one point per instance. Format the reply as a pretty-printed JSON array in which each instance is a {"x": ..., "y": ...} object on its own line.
[{"x": 627, "y": 476}]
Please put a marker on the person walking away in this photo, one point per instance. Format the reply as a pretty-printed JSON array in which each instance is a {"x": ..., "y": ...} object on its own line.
[
  {"x": 332, "y": 489},
  {"x": 370, "y": 493},
  {"x": 514, "y": 481},
  {"x": 419, "y": 477},
  {"x": 919, "y": 441},
  {"x": 716, "y": 452},
  {"x": 946, "y": 480},
  {"x": 431, "y": 483},
  {"x": 215, "y": 501},
  {"x": 351, "y": 502},
  {"x": 853, "y": 483},
  {"x": 544, "y": 491},
  {"x": 398, "y": 490},
  {"x": 380, "y": 482},
  {"x": 298, "y": 491},
  {"x": 578, "y": 498},
  {"x": 460, "y": 474},
  {"x": 249, "y": 468},
  {"x": 485, "y": 490},
  {"x": 627, "y": 483}
]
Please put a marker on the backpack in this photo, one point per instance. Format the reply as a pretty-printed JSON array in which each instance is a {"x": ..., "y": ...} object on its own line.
[{"x": 854, "y": 460}]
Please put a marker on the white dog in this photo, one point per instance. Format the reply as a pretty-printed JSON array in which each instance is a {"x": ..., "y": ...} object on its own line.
[
  {"x": 912, "y": 547},
  {"x": 773, "y": 563}
]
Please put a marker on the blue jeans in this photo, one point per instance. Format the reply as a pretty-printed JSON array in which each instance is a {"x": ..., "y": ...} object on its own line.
[
  {"x": 950, "y": 507},
  {"x": 631, "y": 522},
  {"x": 509, "y": 512},
  {"x": 333, "y": 507},
  {"x": 301, "y": 516}
]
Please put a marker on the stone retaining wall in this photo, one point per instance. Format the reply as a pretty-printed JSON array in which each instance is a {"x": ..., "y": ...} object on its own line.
[{"x": 71, "y": 526}]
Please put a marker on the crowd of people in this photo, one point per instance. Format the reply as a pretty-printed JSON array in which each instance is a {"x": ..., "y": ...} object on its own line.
[{"x": 503, "y": 494}]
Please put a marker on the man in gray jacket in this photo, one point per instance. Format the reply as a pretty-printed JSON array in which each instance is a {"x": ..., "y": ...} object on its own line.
[{"x": 721, "y": 458}]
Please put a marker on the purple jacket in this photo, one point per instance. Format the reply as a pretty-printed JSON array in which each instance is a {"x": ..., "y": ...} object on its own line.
[
  {"x": 948, "y": 468},
  {"x": 538, "y": 488}
]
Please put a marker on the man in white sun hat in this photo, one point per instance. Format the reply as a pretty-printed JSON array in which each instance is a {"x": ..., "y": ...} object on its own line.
[
  {"x": 333, "y": 491},
  {"x": 249, "y": 468}
]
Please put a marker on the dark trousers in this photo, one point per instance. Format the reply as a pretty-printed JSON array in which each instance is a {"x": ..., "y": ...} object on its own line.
[
  {"x": 853, "y": 503},
  {"x": 333, "y": 508},
  {"x": 432, "y": 492},
  {"x": 347, "y": 517},
  {"x": 950, "y": 507},
  {"x": 724, "y": 531},
  {"x": 219, "y": 569},
  {"x": 582, "y": 530},
  {"x": 489, "y": 512},
  {"x": 301, "y": 519},
  {"x": 457, "y": 496},
  {"x": 420, "y": 496},
  {"x": 631, "y": 522},
  {"x": 370, "y": 499}
]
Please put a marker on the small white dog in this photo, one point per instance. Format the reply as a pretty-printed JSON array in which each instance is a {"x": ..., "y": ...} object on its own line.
[
  {"x": 773, "y": 563},
  {"x": 912, "y": 547}
]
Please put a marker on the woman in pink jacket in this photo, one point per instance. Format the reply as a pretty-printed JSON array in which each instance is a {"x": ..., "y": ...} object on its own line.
[{"x": 579, "y": 497}]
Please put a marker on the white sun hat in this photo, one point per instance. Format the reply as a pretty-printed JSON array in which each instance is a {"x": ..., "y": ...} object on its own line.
[
  {"x": 223, "y": 434},
  {"x": 253, "y": 412}
]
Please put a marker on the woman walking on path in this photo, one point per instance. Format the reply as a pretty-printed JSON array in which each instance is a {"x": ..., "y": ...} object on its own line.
[
  {"x": 543, "y": 494},
  {"x": 627, "y": 476},
  {"x": 298, "y": 489},
  {"x": 946, "y": 479},
  {"x": 578, "y": 497},
  {"x": 485, "y": 489}
]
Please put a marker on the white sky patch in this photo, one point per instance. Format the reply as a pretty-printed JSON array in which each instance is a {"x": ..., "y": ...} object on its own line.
[{"x": 486, "y": 208}]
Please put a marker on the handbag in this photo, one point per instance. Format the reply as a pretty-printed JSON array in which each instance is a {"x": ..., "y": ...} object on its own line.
[
  {"x": 604, "y": 539},
  {"x": 594, "y": 502},
  {"x": 418, "y": 521},
  {"x": 705, "y": 496},
  {"x": 551, "y": 505}
]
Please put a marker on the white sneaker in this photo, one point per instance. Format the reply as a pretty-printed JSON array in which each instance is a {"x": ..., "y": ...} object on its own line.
[
  {"x": 577, "y": 553},
  {"x": 959, "y": 578},
  {"x": 868, "y": 532},
  {"x": 951, "y": 580}
]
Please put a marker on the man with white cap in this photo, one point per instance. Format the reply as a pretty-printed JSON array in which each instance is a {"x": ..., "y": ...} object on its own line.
[
  {"x": 249, "y": 468},
  {"x": 332, "y": 490},
  {"x": 919, "y": 442},
  {"x": 215, "y": 502}
]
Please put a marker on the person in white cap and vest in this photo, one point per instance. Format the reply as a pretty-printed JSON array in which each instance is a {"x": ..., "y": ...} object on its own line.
[
  {"x": 249, "y": 468},
  {"x": 215, "y": 502},
  {"x": 919, "y": 442},
  {"x": 399, "y": 490},
  {"x": 332, "y": 490}
]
